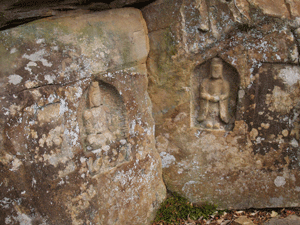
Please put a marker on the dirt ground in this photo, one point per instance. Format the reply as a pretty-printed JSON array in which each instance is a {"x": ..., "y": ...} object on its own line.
[{"x": 236, "y": 217}]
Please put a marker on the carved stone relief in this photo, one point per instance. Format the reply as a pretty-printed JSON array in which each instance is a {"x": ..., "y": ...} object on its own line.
[
  {"x": 104, "y": 127},
  {"x": 257, "y": 149},
  {"x": 215, "y": 88},
  {"x": 77, "y": 136}
]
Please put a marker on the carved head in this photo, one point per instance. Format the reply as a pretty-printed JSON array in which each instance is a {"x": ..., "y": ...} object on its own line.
[
  {"x": 216, "y": 68},
  {"x": 94, "y": 95}
]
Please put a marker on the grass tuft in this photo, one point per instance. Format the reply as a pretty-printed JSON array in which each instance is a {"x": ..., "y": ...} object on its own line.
[{"x": 177, "y": 209}]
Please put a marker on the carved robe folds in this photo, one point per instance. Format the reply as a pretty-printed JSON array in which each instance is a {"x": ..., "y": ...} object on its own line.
[
  {"x": 211, "y": 106},
  {"x": 214, "y": 95}
]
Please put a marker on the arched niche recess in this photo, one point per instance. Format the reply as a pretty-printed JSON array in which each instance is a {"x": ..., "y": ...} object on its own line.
[
  {"x": 215, "y": 85},
  {"x": 104, "y": 128}
]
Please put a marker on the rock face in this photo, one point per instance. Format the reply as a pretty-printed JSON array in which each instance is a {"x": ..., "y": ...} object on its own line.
[
  {"x": 77, "y": 135},
  {"x": 17, "y": 12},
  {"x": 224, "y": 82}
]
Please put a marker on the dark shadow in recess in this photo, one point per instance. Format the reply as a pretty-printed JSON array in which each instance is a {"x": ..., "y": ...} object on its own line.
[
  {"x": 140, "y": 4},
  {"x": 62, "y": 5},
  {"x": 18, "y": 22}
]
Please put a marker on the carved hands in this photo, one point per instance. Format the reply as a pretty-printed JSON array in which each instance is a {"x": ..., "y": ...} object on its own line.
[
  {"x": 215, "y": 98},
  {"x": 224, "y": 96},
  {"x": 211, "y": 98}
]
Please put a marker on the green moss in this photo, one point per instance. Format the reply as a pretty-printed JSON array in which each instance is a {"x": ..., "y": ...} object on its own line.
[
  {"x": 90, "y": 32},
  {"x": 167, "y": 48},
  {"x": 52, "y": 29},
  {"x": 175, "y": 209},
  {"x": 126, "y": 53},
  {"x": 27, "y": 34},
  {"x": 170, "y": 43}
]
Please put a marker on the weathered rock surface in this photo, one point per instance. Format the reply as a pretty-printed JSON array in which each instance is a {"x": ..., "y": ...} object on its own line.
[
  {"x": 235, "y": 140},
  {"x": 77, "y": 136},
  {"x": 16, "y": 12}
]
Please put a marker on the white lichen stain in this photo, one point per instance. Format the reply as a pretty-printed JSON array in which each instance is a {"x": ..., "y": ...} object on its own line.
[
  {"x": 83, "y": 159},
  {"x": 16, "y": 163},
  {"x": 63, "y": 107},
  {"x": 294, "y": 143},
  {"x": 279, "y": 181},
  {"x": 5, "y": 111},
  {"x": 51, "y": 98},
  {"x": 123, "y": 141},
  {"x": 290, "y": 75},
  {"x": 29, "y": 65},
  {"x": 132, "y": 127},
  {"x": 166, "y": 159},
  {"x": 187, "y": 184},
  {"x": 73, "y": 135},
  {"x": 24, "y": 219},
  {"x": 5, "y": 202},
  {"x": 13, "y": 50},
  {"x": 49, "y": 78},
  {"x": 33, "y": 182},
  {"x": 54, "y": 48},
  {"x": 15, "y": 79},
  {"x": 8, "y": 220},
  {"x": 41, "y": 40},
  {"x": 38, "y": 56},
  {"x": 78, "y": 94}
]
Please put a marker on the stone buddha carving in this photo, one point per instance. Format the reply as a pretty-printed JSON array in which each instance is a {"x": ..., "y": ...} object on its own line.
[
  {"x": 105, "y": 130},
  {"x": 97, "y": 119},
  {"x": 214, "y": 95}
]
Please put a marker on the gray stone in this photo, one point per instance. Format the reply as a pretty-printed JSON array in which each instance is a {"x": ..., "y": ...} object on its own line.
[{"x": 290, "y": 220}]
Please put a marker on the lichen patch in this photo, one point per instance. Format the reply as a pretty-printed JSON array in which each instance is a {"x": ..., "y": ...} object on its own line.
[
  {"x": 279, "y": 181},
  {"x": 15, "y": 79},
  {"x": 290, "y": 75}
]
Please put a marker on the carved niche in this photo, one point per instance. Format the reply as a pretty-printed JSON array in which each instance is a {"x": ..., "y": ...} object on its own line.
[
  {"x": 215, "y": 87},
  {"x": 104, "y": 127}
]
